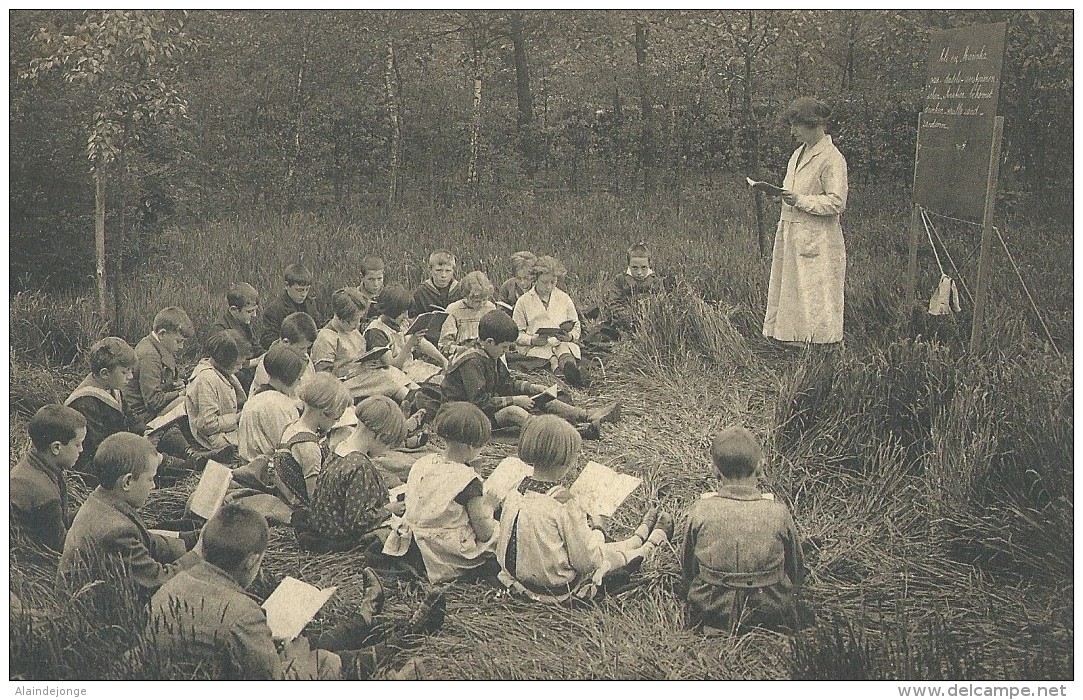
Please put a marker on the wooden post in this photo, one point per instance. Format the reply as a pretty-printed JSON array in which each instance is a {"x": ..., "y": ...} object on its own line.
[
  {"x": 977, "y": 330},
  {"x": 915, "y": 235}
]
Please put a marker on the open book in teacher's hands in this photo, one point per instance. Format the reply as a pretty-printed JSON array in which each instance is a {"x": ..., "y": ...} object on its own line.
[{"x": 765, "y": 187}]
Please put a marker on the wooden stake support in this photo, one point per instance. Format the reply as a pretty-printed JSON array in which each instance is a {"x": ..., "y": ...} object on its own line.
[{"x": 982, "y": 291}]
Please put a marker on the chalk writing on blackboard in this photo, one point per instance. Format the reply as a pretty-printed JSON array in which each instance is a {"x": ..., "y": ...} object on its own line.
[{"x": 955, "y": 133}]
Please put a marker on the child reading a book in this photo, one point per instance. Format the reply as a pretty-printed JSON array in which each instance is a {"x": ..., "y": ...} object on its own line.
[
  {"x": 108, "y": 536},
  {"x": 439, "y": 290},
  {"x": 448, "y": 524},
  {"x": 549, "y": 323},
  {"x": 241, "y": 313},
  {"x": 547, "y": 549},
  {"x": 389, "y": 330},
  {"x": 478, "y": 376},
  {"x": 272, "y": 406},
  {"x": 214, "y": 396},
  {"x": 301, "y": 452},
  {"x": 464, "y": 315},
  {"x": 741, "y": 562},
  {"x": 155, "y": 383},
  {"x": 350, "y": 500},
  {"x": 294, "y": 299},
  {"x": 298, "y": 332},
  {"x": 204, "y": 616},
  {"x": 38, "y": 491}
]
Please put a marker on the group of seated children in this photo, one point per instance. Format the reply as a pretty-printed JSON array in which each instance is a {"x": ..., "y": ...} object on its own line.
[{"x": 323, "y": 410}]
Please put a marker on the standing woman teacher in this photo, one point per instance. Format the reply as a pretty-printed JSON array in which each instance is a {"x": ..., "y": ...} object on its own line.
[{"x": 808, "y": 266}]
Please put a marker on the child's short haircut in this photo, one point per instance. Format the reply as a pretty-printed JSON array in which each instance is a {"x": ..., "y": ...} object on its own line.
[
  {"x": 548, "y": 265},
  {"x": 298, "y": 327},
  {"x": 241, "y": 295},
  {"x": 475, "y": 282},
  {"x": 325, "y": 393},
  {"x": 371, "y": 263},
  {"x": 173, "y": 319},
  {"x": 441, "y": 257},
  {"x": 464, "y": 423},
  {"x": 736, "y": 453},
  {"x": 639, "y": 250},
  {"x": 54, "y": 423},
  {"x": 384, "y": 418},
  {"x": 233, "y": 534},
  {"x": 549, "y": 442},
  {"x": 298, "y": 274},
  {"x": 498, "y": 327},
  {"x": 346, "y": 304},
  {"x": 394, "y": 300},
  {"x": 523, "y": 260},
  {"x": 121, "y": 454},
  {"x": 224, "y": 347},
  {"x": 111, "y": 352},
  {"x": 284, "y": 365}
]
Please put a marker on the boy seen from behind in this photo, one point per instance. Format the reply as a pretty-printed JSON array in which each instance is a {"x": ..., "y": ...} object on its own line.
[
  {"x": 741, "y": 561},
  {"x": 294, "y": 299},
  {"x": 39, "y": 494}
]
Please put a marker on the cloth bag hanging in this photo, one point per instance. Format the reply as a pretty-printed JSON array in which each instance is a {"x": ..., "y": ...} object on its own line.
[{"x": 946, "y": 297}]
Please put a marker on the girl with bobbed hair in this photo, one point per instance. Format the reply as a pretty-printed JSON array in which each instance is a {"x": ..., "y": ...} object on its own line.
[{"x": 549, "y": 322}]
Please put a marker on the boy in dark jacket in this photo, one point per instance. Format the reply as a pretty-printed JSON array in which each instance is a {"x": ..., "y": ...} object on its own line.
[
  {"x": 439, "y": 290},
  {"x": 294, "y": 299},
  {"x": 479, "y": 376}
]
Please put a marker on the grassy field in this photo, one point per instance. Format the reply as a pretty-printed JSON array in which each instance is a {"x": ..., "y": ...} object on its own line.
[{"x": 934, "y": 489}]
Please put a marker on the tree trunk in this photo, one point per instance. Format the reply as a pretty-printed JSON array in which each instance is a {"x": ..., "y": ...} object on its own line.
[
  {"x": 291, "y": 172},
  {"x": 752, "y": 152},
  {"x": 472, "y": 175},
  {"x": 99, "y": 239},
  {"x": 646, "y": 134},
  {"x": 525, "y": 116},
  {"x": 393, "y": 111}
]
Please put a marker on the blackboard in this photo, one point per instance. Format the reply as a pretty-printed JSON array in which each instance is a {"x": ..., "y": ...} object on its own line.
[{"x": 955, "y": 132}]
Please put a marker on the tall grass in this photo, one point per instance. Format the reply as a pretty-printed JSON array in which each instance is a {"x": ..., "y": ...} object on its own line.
[{"x": 934, "y": 489}]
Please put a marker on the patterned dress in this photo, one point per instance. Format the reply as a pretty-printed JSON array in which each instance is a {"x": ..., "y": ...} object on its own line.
[
  {"x": 350, "y": 498},
  {"x": 289, "y": 470}
]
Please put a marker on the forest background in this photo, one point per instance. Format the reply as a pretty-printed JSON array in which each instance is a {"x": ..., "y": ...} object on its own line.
[{"x": 933, "y": 488}]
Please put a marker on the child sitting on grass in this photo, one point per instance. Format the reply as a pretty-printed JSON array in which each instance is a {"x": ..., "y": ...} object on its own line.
[
  {"x": 272, "y": 406},
  {"x": 741, "y": 561},
  {"x": 350, "y": 500},
  {"x": 298, "y": 332},
  {"x": 389, "y": 330},
  {"x": 522, "y": 264},
  {"x": 100, "y": 399},
  {"x": 299, "y": 459},
  {"x": 156, "y": 387},
  {"x": 547, "y": 549},
  {"x": 439, "y": 290},
  {"x": 623, "y": 297},
  {"x": 108, "y": 535},
  {"x": 38, "y": 493},
  {"x": 214, "y": 396},
  {"x": 294, "y": 299},
  {"x": 371, "y": 287},
  {"x": 448, "y": 527},
  {"x": 544, "y": 306},
  {"x": 464, "y": 315},
  {"x": 204, "y": 616},
  {"x": 242, "y": 301},
  {"x": 478, "y": 376}
]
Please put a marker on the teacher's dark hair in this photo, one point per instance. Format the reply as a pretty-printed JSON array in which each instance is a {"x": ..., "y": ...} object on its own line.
[{"x": 807, "y": 111}]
